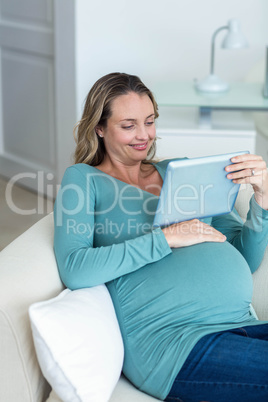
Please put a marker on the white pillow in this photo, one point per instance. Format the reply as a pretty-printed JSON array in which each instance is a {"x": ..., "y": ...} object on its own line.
[{"x": 78, "y": 344}]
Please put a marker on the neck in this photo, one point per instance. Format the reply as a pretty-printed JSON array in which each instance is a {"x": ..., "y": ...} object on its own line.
[{"x": 129, "y": 173}]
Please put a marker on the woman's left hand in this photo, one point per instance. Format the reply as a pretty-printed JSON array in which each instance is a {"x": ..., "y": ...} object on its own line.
[{"x": 251, "y": 169}]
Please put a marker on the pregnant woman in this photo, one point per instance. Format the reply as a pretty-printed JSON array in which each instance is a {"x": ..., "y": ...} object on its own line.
[{"x": 182, "y": 294}]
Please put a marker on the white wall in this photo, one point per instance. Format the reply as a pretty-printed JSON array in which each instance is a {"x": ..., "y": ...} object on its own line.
[
  {"x": 158, "y": 40},
  {"x": 164, "y": 39}
]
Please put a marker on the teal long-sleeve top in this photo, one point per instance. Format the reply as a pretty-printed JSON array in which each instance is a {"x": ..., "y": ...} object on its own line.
[{"x": 165, "y": 299}]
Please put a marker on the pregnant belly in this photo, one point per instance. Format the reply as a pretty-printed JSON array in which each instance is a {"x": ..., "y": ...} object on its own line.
[
  {"x": 218, "y": 284},
  {"x": 208, "y": 282}
]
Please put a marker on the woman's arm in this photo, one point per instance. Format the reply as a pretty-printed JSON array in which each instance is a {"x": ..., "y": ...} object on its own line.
[
  {"x": 79, "y": 263},
  {"x": 251, "y": 237}
]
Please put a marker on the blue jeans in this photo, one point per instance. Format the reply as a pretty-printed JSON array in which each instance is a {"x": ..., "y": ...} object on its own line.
[{"x": 228, "y": 366}]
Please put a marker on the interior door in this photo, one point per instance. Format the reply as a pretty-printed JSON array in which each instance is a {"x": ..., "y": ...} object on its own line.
[{"x": 27, "y": 112}]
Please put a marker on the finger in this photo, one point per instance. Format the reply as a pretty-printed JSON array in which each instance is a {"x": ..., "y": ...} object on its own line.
[
  {"x": 257, "y": 164},
  {"x": 213, "y": 234},
  {"x": 206, "y": 232},
  {"x": 194, "y": 227},
  {"x": 197, "y": 226},
  {"x": 239, "y": 161},
  {"x": 245, "y": 173},
  {"x": 215, "y": 239},
  {"x": 245, "y": 157},
  {"x": 249, "y": 180}
]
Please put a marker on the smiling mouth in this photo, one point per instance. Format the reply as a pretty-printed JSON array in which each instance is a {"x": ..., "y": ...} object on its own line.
[{"x": 139, "y": 147}]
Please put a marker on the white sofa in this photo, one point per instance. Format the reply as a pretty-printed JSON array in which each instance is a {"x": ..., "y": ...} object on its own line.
[{"x": 28, "y": 273}]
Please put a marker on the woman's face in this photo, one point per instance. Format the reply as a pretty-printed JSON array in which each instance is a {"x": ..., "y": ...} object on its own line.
[{"x": 130, "y": 130}]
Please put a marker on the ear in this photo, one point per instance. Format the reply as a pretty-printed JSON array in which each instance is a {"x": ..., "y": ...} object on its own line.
[{"x": 99, "y": 131}]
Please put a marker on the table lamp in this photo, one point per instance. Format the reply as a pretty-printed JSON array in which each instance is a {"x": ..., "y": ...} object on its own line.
[{"x": 233, "y": 40}]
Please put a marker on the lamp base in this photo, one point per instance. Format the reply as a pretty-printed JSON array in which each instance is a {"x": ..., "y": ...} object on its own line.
[{"x": 212, "y": 84}]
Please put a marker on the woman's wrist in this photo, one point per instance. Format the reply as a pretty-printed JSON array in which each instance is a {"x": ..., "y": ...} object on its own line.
[
  {"x": 261, "y": 200},
  {"x": 167, "y": 237}
]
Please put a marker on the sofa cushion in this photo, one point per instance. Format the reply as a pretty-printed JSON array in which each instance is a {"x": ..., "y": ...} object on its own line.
[{"x": 79, "y": 344}]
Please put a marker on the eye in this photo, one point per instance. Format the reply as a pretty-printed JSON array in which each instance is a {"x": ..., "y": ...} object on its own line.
[
  {"x": 149, "y": 123},
  {"x": 127, "y": 127}
]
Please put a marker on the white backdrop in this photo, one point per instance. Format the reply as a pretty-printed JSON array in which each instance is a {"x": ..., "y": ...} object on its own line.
[{"x": 164, "y": 39}]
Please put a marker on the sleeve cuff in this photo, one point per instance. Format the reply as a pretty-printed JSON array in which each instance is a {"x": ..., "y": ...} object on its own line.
[
  {"x": 257, "y": 209},
  {"x": 158, "y": 233}
]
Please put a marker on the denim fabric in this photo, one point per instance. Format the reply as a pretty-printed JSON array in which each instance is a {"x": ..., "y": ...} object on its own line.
[{"x": 228, "y": 366}]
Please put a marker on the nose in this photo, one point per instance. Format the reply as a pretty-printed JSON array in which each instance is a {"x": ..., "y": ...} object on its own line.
[{"x": 142, "y": 133}]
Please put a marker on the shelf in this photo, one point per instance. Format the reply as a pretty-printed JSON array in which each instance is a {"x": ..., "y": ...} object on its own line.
[{"x": 241, "y": 96}]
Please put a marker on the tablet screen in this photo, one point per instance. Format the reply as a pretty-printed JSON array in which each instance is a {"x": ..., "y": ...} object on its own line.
[{"x": 196, "y": 188}]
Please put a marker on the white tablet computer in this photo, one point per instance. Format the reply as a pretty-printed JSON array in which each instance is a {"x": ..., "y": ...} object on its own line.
[{"x": 196, "y": 188}]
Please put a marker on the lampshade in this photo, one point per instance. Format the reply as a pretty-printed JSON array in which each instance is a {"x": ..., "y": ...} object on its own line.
[{"x": 234, "y": 38}]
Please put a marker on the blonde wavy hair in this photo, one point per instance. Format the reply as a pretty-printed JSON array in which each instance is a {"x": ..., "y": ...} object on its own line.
[{"x": 90, "y": 147}]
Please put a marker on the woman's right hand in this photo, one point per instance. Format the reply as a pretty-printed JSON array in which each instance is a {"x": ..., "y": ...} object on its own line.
[{"x": 191, "y": 232}]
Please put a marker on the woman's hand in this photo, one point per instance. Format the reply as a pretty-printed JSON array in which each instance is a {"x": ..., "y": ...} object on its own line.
[
  {"x": 191, "y": 232},
  {"x": 251, "y": 169}
]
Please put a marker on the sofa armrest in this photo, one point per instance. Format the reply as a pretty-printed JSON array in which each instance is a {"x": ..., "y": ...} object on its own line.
[{"x": 28, "y": 273}]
